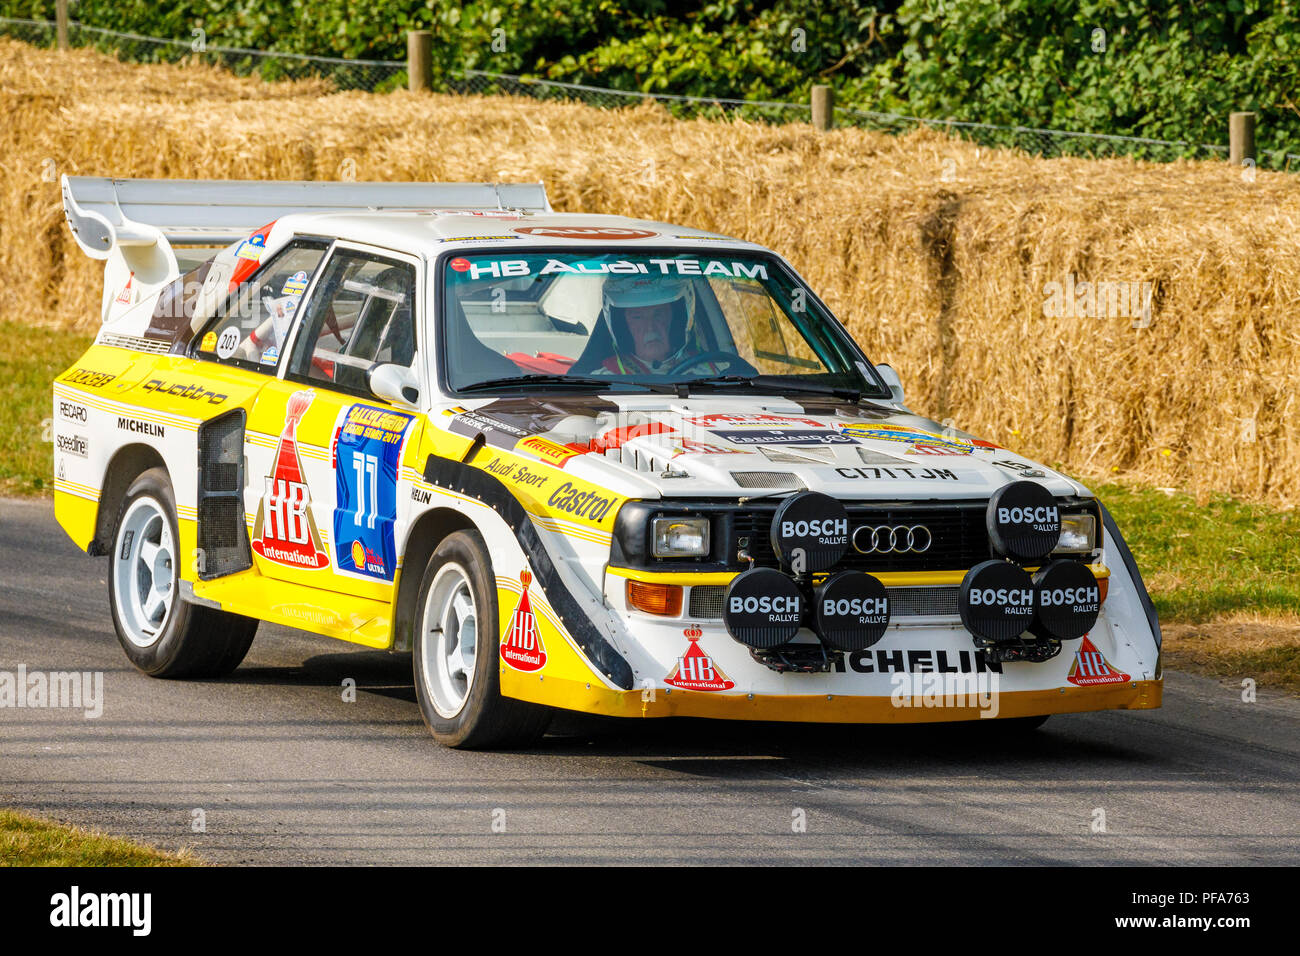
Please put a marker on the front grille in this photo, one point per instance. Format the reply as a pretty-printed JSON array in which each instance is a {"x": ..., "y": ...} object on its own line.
[
  {"x": 923, "y": 602},
  {"x": 706, "y": 602},
  {"x": 959, "y": 538}
]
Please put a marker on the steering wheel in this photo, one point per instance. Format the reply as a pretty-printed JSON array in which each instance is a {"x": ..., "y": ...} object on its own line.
[{"x": 731, "y": 358}]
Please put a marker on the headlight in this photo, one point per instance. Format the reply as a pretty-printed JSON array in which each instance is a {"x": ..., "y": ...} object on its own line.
[
  {"x": 680, "y": 537},
  {"x": 1078, "y": 534}
]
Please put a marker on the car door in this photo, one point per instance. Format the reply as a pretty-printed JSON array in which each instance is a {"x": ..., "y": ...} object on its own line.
[{"x": 324, "y": 451}]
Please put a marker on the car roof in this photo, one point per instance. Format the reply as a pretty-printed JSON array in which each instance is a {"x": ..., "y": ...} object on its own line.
[{"x": 428, "y": 232}]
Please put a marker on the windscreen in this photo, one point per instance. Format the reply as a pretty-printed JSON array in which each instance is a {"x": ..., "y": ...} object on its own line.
[{"x": 653, "y": 317}]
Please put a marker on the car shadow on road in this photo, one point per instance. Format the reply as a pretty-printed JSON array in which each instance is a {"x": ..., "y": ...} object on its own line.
[
  {"x": 736, "y": 749},
  {"x": 375, "y": 672}
]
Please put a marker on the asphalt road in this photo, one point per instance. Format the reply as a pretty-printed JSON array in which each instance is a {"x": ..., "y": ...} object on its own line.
[{"x": 286, "y": 772}]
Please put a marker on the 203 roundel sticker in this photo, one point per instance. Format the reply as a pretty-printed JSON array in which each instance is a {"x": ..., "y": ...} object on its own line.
[
  {"x": 695, "y": 669},
  {"x": 521, "y": 646},
  {"x": 285, "y": 529},
  {"x": 367, "y": 451}
]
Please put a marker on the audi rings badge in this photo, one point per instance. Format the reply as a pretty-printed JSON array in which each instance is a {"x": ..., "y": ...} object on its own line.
[{"x": 892, "y": 539}]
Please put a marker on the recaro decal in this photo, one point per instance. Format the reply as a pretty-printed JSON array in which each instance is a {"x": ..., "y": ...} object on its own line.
[{"x": 476, "y": 483}]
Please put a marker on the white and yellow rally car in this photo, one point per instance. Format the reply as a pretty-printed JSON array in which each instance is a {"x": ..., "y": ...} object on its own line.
[{"x": 567, "y": 461}]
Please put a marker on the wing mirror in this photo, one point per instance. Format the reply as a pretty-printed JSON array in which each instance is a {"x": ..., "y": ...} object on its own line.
[
  {"x": 895, "y": 383},
  {"x": 396, "y": 384}
]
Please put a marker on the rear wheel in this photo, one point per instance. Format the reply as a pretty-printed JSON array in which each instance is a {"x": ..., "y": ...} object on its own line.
[
  {"x": 161, "y": 634},
  {"x": 456, "y": 657}
]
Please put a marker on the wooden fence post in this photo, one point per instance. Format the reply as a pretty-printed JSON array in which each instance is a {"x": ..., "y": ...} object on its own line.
[
  {"x": 419, "y": 60},
  {"x": 1241, "y": 138},
  {"x": 61, "y": 23},
  {"x": 823, "y": 108}
]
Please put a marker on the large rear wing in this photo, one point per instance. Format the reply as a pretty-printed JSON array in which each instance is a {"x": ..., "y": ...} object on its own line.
[{"x": 135, "y": 223}]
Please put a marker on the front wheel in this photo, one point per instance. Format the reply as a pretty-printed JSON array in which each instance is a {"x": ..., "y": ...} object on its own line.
[
  {"x": 161, "y": 634},
  {"x": 456, "y": 657}
]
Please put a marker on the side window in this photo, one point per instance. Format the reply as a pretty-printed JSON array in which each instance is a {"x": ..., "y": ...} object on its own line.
[
  {"x": 362, "y": 314},
  {"x": 253, "y": 324}
]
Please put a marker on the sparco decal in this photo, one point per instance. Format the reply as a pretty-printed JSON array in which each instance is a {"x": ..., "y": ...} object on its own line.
[
  {"x": 695, "y": 669},
  {"x": 521, "y": 645},
  {"x": 901, "y": 661},
  {"x": 775, "y": 436},
  {"x": 581, "y": 504},
  {"x": 89, "y": 377},
  {"x": 72, "y": 412},
  {"x": 71, "y": 445},
  {"x": 140, "y": 428},
  {"x": 195, "y": 393},
  {"x": 285, "y": 530}
]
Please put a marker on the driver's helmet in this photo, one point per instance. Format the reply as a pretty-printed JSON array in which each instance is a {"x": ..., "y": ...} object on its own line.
[{"x": 621, "y": 292}]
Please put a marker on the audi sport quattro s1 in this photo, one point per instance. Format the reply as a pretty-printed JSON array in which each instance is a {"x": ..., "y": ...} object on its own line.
[{"x": 567, "y": 462}]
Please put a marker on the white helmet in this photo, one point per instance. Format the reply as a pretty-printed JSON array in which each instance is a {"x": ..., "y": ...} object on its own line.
[{"x": 637, "y": 291}]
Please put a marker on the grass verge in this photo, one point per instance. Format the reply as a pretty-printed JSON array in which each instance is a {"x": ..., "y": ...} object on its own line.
[
  {"x": 28, "y": 364},
  {"x": 29, "y": 841}
]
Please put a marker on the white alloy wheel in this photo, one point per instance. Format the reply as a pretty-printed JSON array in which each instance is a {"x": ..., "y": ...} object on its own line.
[
  {"x": 144, "y": 570},
  {"x": 449, "y": 630}
]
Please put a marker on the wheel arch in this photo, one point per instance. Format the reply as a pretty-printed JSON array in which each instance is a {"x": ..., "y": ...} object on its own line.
[
  {"x": 127, "y": 464},
  {"x": 428, "y": 531}
]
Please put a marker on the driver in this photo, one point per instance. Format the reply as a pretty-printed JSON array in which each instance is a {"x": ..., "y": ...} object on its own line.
[{"x": 651, "y": 320}]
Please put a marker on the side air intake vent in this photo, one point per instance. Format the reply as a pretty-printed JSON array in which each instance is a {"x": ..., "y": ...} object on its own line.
[{"x": 222, "y": 537}]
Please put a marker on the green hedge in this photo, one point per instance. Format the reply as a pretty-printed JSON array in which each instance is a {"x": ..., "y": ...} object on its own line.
[{"x": 1167, "y": 69}]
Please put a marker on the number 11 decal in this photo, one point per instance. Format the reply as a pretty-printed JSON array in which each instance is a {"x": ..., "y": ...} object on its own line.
[{"x": 368, "y": 449}]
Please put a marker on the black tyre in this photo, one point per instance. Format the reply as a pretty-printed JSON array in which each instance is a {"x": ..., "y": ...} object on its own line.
[
  {"x": 161, "y": 634},
  {"x": 456, "y": 654}
]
